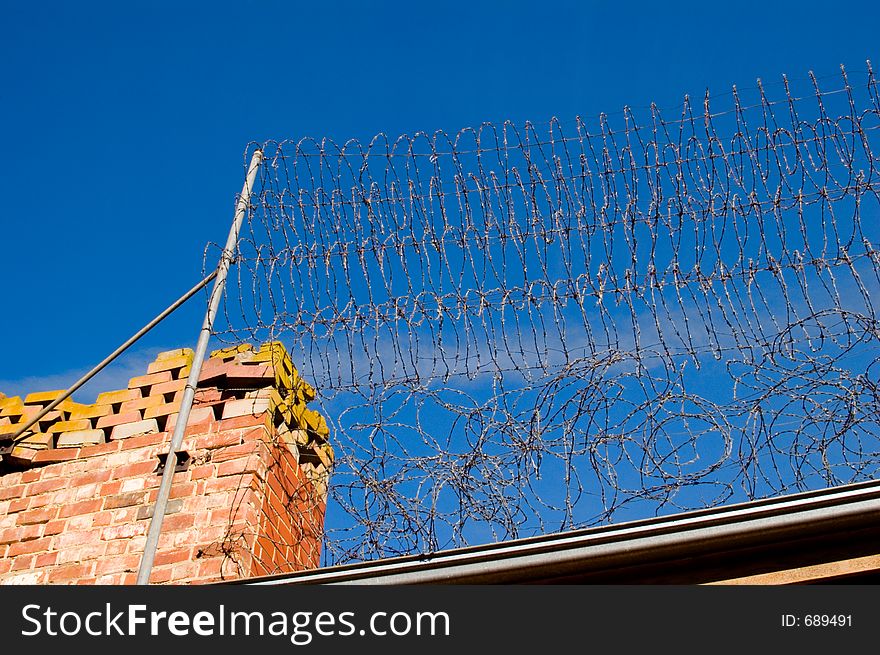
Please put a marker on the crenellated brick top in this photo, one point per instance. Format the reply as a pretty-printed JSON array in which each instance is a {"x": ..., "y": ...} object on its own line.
[
  {"x": 77, "y": 493},
  {"x": 235, "y": 381}
]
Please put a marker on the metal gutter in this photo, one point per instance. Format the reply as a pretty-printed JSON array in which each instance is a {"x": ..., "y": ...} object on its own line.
[{"x": 835, "y": 512}]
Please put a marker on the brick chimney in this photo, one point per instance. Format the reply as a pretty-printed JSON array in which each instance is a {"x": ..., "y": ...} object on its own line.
[{"x": 76, "y": 494}]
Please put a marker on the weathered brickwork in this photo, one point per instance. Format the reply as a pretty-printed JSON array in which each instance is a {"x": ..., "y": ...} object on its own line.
[{"x": 77, "y": 494}]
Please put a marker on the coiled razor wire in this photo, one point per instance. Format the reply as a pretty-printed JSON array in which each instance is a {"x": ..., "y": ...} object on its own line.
[{"x": 523, "y": 329}]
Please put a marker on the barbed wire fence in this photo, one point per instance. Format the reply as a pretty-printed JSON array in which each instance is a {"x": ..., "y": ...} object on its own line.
[{"x": 523, "y": 329}]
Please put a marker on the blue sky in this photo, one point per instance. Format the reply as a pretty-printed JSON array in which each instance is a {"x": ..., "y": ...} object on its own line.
[{"x": 124, "y": 124}]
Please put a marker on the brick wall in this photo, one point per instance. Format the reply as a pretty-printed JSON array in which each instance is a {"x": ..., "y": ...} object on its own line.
[{"x": 76, "y": 494}]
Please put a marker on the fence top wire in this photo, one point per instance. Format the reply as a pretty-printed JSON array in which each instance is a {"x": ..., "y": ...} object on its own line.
[{"x": 521, "y": 329}]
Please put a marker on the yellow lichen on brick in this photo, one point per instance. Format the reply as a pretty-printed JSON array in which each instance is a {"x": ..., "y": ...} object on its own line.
[
  {"x": 325, "y": 453},
  {"x": 90, "y": 411},
  {"x": 174, "y": 354},
  {"x": 11, "y": 406},
  {"x": 316, "y": 423},
  {"x": 69, "y": 406},
  {"x": 8, "y": 429},
  {"x": 305, "y": 417},
  {"x": 43, "y": 397},
  {"x": 39, "y": 441},
  {"x": 116, "y": 397},
  {"x": 304, "y": 391},
  {"x": 70, "y": 426},
  {"x": 48, "y": 419},
  {"x": 231, "y": 351},
  {"x": 23, "y": 452},
  {"x": 141, "y": 403},
  {"x": 294, "y": 437},
  {"x": 275, "y": 354},
  {"x": 283, "y": 409},
  {"x": 170, "y": 364}
]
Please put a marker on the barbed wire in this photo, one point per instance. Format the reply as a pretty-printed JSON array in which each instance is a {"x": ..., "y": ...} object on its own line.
[{"x": 526, "y": 329}]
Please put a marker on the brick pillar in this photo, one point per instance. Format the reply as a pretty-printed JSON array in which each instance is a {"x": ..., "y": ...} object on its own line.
[{"x": 76, "y": 496}]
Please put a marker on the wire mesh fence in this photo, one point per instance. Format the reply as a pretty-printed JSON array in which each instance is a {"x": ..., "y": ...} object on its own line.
[{"x": 523, "y": 329}]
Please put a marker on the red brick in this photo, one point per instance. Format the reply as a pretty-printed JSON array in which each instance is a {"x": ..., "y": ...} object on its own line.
[
  {"x": 143, "y": 441},
  {"x": 207, "y": 395},
  {"x": 131, "y": 484},
  {"x": 221, "y": 515},
  {"x": 212, "y": 369},
  {"x": 149, "y": 380},
  {"x": 178, "y": 522},
  {"x": 116, "y": 547},
  {"x": 24, "y": 453},
  {"x": 90, "y": 477},
  {"x": 69, "y": 469},
  {"x": 53, "y": 456},
  {"x": 23, "y": 563},
  {"x": 54, "y": 527},
  {"x": 46, "y": 559},
  {"x": 100, "y": 449},
  {"x": 15, "y": 491},
  {"x": 238, "y": 466},
  {"x": 28, "y": 547},
  {"x": 160, "y": 575},
  {"x": 124, "y": 531},
  {"x": 67, "y": 540},
  {"x": 250, "y": 373},
  {"x": 201, "y": 472},
  {"x": 70, "y": 572},
  {"x": 81, "y": 508},
  {"x": 173, "y": 556},
  {"x": 49, "y": 484},
  {"x": 102, "y": 518},
  {"x": 119, "y": 564},
  {"x": 232, "y": 452},
  {"x": 229, "y": 483},
  {"x": 11, "y": 535},
  {"x": 111, "y": 488},
  {"x": 88, "y": 552},
  {"x": 124, "y": 500},
  {"x": 34, "y": 531},
  {"x": 210, "y": 567},
  {"x": 184, "y": 571},
  {"x": 112, "y": 420},
  {"x": 37, "y": 516},
  {"x": 168, "y": 388},
  {"x": 7, "y": 536},
  {"x": 220, "y": 440},
  {"x": 135, "y": 470},
  {"x": 247, "y": 421},
  {"x": 10, "y": 479},
  {"x": 31, "y": 476},
  {"x": 18, "y": 505}
]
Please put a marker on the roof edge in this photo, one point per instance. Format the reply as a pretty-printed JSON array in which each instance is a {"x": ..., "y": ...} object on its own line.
[{"x": 754, "y": 524}]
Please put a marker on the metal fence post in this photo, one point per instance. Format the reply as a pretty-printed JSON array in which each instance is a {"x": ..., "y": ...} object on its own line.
[{"x": 149, "y": 554}]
